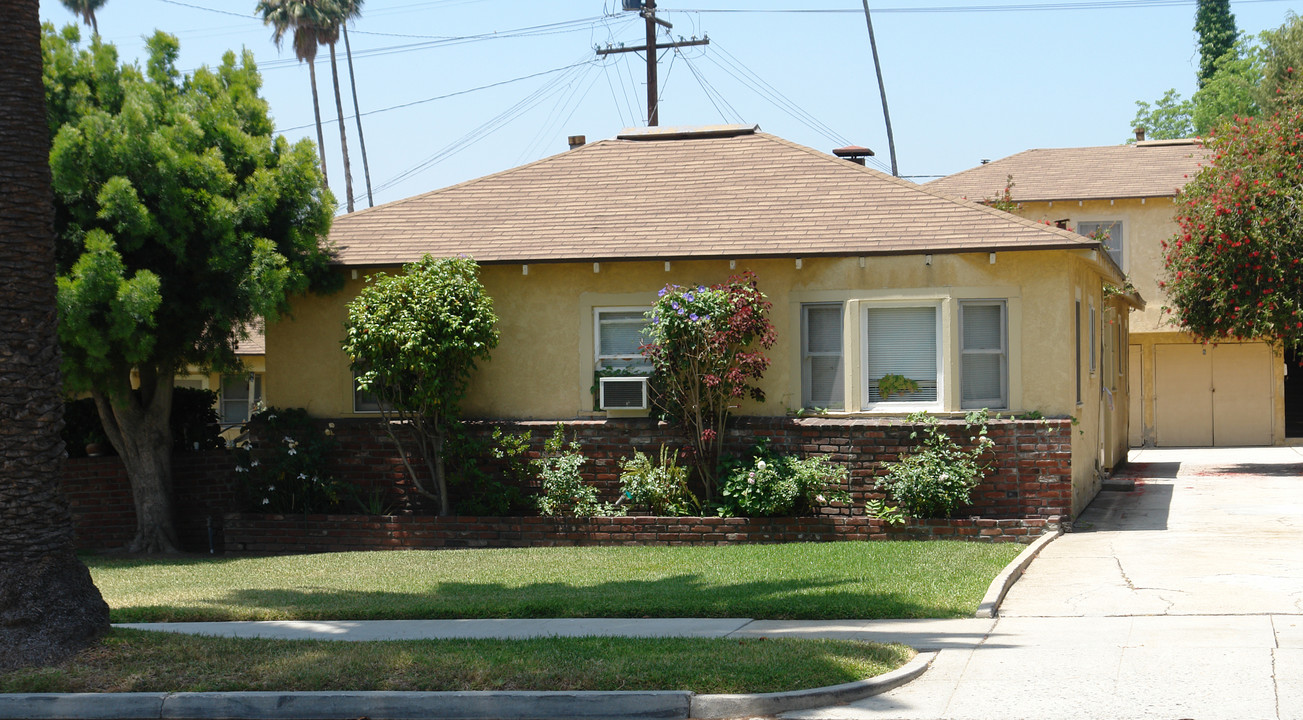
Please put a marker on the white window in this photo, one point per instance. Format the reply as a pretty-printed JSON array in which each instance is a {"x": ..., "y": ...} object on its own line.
[
  {"x": 901, "y": 349},
  {"x": 364, "y": 401},
  {"x": 240, "y": 397},
  {"x": 617, "y": 341},
  {"x": 983, "y": 354},
  {"x": 1110, "y": 232},
  {"x": 822, "y": 384}
]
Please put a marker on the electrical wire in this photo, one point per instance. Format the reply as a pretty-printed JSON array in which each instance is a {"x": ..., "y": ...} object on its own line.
[{"x": 1020, "y": 7}]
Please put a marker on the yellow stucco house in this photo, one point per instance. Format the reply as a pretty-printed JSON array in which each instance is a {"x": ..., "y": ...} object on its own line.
[
  {"x": 1183, "y": 393},
  {"x": 868, "y": 275}
]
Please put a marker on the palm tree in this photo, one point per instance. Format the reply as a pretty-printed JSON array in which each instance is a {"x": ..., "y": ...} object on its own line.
[
  {"x": 49, "y": 605},
  {"x": 357, "y": 115},
  {"x": 86, "y": 10},
  {"x": 336, "y": 14},
  {"x": 306, "y": 20}
]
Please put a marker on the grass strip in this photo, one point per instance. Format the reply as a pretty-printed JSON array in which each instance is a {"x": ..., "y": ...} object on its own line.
[
  {"x": 866, "y": 580},
  {"x": 140, "y": 661}
]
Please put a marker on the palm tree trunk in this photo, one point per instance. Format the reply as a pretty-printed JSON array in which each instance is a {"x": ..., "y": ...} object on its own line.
[
  {"x": 49, "y": 607},
  {"x": 316, "y": 113},
  {"x": 357, "y": 115},
  {"x": 343, "y": 135}
]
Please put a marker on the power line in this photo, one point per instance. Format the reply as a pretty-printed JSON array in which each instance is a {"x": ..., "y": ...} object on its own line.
[{"x": 1022, "y": 7}]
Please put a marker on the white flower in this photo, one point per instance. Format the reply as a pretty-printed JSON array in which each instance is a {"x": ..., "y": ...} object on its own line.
[
  {"x": 265, "y": 501},
  {"x": 303, "y": 476},
  {"x": 254, "y": 463},
  {"x": 819, "y": 498},
  {"x": 292, "y": 451},
  {"x": 271, "y": 488},
  {"x": 240, "y": 469},
  {"x": 760, "y": 465}
]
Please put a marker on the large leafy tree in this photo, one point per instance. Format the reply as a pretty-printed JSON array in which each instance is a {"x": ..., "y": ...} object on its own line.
[
  {"x": 1235, "y": 269},
  {"x": 180, "y": 220},
  {"x": 49, "y": 608},
  {"x": 706, "y": 347},
  {"x": 415, "y": 339},
  {"x": 1215, "y": 25}
]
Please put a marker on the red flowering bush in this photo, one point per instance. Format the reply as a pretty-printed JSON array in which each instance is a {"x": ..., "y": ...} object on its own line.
[
  {"x": 706, "y": 350},
  {"x": 1233, "y": 270}
]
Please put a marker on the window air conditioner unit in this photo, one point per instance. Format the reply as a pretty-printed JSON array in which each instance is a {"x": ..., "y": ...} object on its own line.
[{"x": 623, "y": 393}]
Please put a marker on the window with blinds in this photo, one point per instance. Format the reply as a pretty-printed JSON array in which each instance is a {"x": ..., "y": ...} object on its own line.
[
  {"x": 240, "y": 397},
  {"x": 822, "y": 369},
  {"x": 901, "y": 341},
  {"x": 1110, "y": 231},
  {"x": 983, "y": 354},
  {"x": 617, "y": 339}
]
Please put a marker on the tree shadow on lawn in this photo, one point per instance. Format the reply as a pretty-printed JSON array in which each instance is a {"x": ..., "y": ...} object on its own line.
[{"x": 679, "y": 596}]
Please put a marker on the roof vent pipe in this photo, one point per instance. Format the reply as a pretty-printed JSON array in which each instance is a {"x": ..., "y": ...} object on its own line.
[
  {"x": 576, "y": 141},
  {"x": 853, "y": 153},
  {"x": 1140, "y": 134}
]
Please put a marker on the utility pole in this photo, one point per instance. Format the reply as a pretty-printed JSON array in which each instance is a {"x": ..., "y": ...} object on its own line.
[
  {"x": 873, "y": 44},
  {"x": 648, "y": 10}
]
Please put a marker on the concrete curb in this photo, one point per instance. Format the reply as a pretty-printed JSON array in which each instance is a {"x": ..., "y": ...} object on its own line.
[
  {"x": 990, "y": 605},
  {"x": 666, "y": 705},
  {"x": 731, "y": 706}
]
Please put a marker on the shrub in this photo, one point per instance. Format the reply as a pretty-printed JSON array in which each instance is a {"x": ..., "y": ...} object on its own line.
[
  {"x": 705, "y": 346},
  {"x": 562, "y": 490},
  {"x": 660, "y": 487},
  {"x": 474, "y": 491},
  {"x": 938, "y": 478},
  {"x": 283, "y": 466},
  {"x": 769, "y": 485}
]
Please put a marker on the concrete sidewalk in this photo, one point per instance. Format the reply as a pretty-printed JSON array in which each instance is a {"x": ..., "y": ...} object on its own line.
[{"x": 1180, "y": 599}]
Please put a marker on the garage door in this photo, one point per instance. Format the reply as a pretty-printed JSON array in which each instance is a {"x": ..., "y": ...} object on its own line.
[{"x": 1212, "y": 396}]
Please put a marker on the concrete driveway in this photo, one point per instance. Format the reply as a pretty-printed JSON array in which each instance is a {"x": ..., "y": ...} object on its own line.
[{"x": 1182, "y": 598}]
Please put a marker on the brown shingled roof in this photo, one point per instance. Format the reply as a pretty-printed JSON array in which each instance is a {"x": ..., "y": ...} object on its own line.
[
  {"x": 1155, "y": 168},
  {"x": 679, "y": 196},
  {"x": 255, "y": 342}
]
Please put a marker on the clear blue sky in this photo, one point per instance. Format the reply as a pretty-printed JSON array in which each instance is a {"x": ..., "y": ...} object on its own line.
[{"x": 965, "y": 79}]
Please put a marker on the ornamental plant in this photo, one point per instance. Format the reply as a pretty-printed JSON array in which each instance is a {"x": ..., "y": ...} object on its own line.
[
  {"x": 415, "y": 339},
  {"x": 562, "y": 490},
  {"x": 661, "y": 487},
  {"x": 283, "y": 464},
  {"x": 938, "y": 478},
  {"x": 1234, "y": 268},
  {"x": 768, "y": 485},
  {"x": 706, "y": 348}
]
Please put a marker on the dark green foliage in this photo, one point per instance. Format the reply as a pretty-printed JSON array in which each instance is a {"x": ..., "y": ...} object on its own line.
[
  {"x": 474, "y": 491},
  {"x": 194, "y": 420},
  {"x": 660, "y": 486},
  {"x": 938, "y": 477},
  {"x": 284, "y": 465},
  {"x": 765, "y": 484},
  {"x": 1215, "y": 24}
]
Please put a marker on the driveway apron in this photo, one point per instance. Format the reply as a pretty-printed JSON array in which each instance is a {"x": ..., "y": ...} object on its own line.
[{"x": 1180, "y": 598}]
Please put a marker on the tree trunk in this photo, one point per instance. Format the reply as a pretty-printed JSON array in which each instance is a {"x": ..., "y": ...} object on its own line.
[
  {"x": 316, "y": 113},
  {"x": 343, "y": 136},
  {"x": 138, "y": 427},
  {"x": 357, "y": 115},
  {"x": 49, "y": 607}
]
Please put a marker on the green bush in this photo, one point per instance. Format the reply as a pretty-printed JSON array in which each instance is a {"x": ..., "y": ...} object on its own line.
[
  {"x": 474, "y": 491},
  {"x": 562, "y": 490},
  {"x": 283, "y": 468},
  {"x": 768, "y": 485},
  {"x": 938, "y": 478},
  {"x": 193, "y": 421},
  {"x": 660, "y": 487}
]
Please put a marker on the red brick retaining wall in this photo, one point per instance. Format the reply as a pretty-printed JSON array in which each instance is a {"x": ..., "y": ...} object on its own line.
[
  {"x": 334, "y": 533},
  {"x": 1028, "y": 489}
]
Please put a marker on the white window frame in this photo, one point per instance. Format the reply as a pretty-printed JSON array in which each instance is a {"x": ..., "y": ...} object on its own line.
[
  {"x": 1116, "y": 233},
  {"x": 807, "y": 376},
  {"x": 252, "y": 396},
  {"x": 641, "y": 366},
  {"x": 862, "y": 362},
  {"x": 357, "y": 398},
  {"x": 1002, "y": 402}
]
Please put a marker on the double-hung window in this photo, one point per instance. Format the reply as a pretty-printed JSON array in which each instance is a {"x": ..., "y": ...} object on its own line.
[
  {"x": 1109, "y": 231},
  {"x": 901, "y": 354},
  {"x": 240, "y": 397},
  {"x": 983, "y": 354},
  {"x": 822, "y": 384},
  {"x": 618, "y": 340}
]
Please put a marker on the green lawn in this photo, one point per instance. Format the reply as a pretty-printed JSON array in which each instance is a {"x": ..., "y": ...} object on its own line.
[
  {"x": 134, "y": 661},
  {"x": 798, "y": 581}
]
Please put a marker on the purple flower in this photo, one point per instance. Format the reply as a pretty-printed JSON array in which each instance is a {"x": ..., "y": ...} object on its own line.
[
  {"x": 681, "y": 311},
  {"x": 662, "y": 292},
  {"x": 693, "y": 317},
  {"x": 675, "y": 305},
  {"x": 687, "y": 296}
]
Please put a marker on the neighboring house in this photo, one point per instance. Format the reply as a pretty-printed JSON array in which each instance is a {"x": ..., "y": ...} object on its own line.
[
  {"x": 869, "y": 275},
  {"x": 1182, "y": 393},
  {"x": 238, "y": 393}
]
